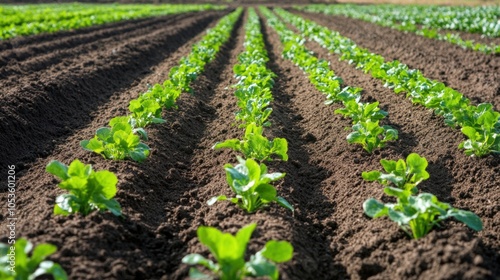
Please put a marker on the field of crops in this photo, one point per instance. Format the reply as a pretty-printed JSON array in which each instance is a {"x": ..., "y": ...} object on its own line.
[{"x": 326, "y": 142}]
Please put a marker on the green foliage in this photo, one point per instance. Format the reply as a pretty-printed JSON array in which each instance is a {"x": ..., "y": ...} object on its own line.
[
  {"x": 144, "y": 112},
  {"x": 251, "y": 184},
  {"x": 480, "y": 143},
  {"x": 481, "y": 125},
  {"x": 365, "y": 117},
  {"x": 256, "y": 146},
  {"x": 405, "y": 175},
  {"x": 24, "y": 20},
  {"x": 88, "y": 190},
  {"x": 362, "y": 112},
  {"x": 147, "y": 108},
  {"x": 255, "y": 80},
  {"x": 119, "y": 141},
  {"x": 425, "y": 21},
  {"x": 370, "y": 135},
  {"x": 229, "y": 253},
  {"x": 417, "y": 215},
  {"x": 28, "y": 266}
]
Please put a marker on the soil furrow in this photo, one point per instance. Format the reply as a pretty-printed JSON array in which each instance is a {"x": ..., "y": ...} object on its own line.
[
  {"x": 376, "y": 248},
  {"x": 475, "y": 75},
  {"x": 14, "y": 57},
  {"x": 42, "y": 112}
]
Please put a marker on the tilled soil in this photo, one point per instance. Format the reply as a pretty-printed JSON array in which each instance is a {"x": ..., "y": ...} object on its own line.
[{"x": 164, "y": 198}]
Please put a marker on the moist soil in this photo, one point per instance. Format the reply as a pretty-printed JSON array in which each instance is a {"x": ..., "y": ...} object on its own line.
[{"x": 164, "y": 198}]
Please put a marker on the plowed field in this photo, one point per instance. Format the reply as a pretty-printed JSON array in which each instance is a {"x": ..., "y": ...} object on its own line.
[{"x": 56, "y": 90}]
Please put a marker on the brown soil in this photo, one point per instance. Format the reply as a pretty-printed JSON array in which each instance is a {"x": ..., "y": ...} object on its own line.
[{"x": 164, "y": 199}]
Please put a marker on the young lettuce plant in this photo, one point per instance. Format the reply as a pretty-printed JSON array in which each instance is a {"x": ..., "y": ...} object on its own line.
[
  {"x": 88, "y": 190},
  {"x": 229, "y": 253},
  {"x": 417, "y": 215},
  {"x": 119, "y": 141},
  {"x": 371, "y": 135},
  {"x": 404, "y": 175},
  {"x": 145, "y": 112},
  {"x": 257, "y": 146},
  {"x": 251, "y": 184},
  {"x": 22, "y": 266},
  {"x": 361, "y": 112}
]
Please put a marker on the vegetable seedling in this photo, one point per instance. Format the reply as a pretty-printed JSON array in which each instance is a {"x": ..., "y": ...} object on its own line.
[
  {"x": 88, "y": 190},
  {"x": 251, "y": 184},
  {"x": 26, "y": 266},
  {"x": 417, "y": 215},
  {"x": 405, "y": 175},
  {"x": 229, "y": 253}
]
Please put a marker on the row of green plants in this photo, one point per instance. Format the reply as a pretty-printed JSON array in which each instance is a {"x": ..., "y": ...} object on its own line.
[
  {"x": 249, "y": 180},
  {"x": 479, "y": 19},
  {"x": 383, "y": 17},
  {"x": 480, "y": 124},
  {"x": 89, "y": 190},
  {"x": 122, "y": 139},
  {"x": 366, "y": 130},
  {"x": 34, "y": 19}
]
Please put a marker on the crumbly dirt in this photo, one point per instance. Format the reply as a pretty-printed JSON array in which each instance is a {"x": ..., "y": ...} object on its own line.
[{"x": 164, "y": 198}]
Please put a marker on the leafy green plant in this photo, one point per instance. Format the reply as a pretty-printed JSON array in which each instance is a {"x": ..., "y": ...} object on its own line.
[
  {"x": 345, "y": 95},
  {"x": 405, "y": 175},
  {"x": 256, "y": 146},
  {"x": 371, "y": 135},
  {"x": 119, "y": 141},
  {"x": 480, "y": 143},
  {"x": 361, "y": 112},
  {"x": 25, "y": 266},
  {"x": 145, "y": 112},
  {"x": 417, "y": 215},
  {"x": 229, "y": 252},
  {"x": 251, "y": 184},
  {"x": 481, "y": 125},
  {"x": 88, "y": 190}
]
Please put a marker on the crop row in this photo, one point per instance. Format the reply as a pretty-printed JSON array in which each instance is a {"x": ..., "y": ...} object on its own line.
[
  {"x": 383, "y": 16},
  {"x": 480, "y": 124},
  {"x": 29, "y": 20},
  {"x": 481, "y": 19},
  {"x": 365, "y": 116},
  {"x": 249, "y": 179}
]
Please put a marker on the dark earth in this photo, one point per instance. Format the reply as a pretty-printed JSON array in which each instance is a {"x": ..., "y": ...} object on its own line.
[{"x": 57, "y": 89}]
